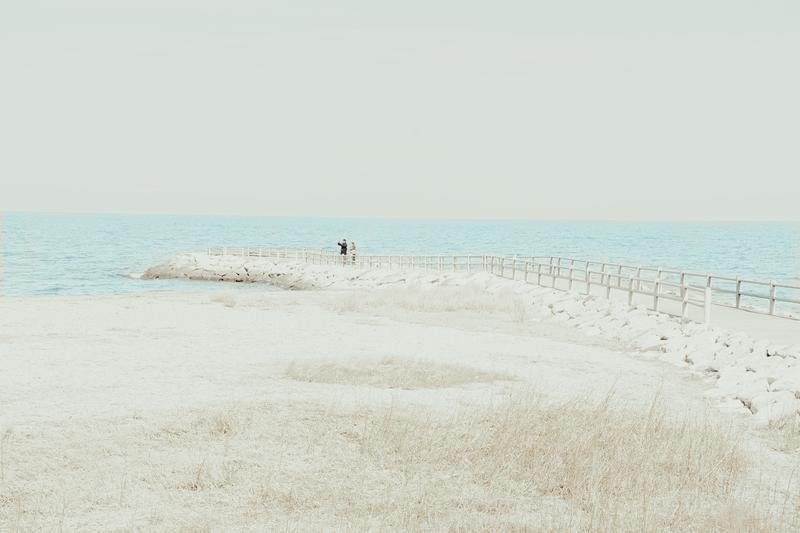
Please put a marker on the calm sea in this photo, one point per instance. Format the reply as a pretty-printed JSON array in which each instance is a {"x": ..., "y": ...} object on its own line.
[{"x": 95, "y": 254}]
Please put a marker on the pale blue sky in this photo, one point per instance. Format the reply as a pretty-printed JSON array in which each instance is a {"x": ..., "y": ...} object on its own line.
[{"x": 613, "y": 110}]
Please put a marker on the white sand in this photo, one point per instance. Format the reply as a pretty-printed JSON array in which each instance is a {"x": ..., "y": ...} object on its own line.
[
  {"x": 754, "y": 357},
  {"x": 108, "y": 356},
  {"x": 167, "y": 411}
]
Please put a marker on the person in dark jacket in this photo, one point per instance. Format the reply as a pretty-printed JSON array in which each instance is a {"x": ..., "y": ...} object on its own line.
[{"x": 343, "y": 247}]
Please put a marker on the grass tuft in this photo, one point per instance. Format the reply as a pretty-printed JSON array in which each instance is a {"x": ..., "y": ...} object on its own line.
[{"x": 390, "y": 373}]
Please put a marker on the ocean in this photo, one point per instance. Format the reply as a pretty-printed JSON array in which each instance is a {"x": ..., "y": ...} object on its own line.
[{"x": 44, "y": 254}]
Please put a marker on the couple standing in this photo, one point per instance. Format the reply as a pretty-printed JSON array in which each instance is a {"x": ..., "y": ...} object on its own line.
[{"x": 345, "y": 249}]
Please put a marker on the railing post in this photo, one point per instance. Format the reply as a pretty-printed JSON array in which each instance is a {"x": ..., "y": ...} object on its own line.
[
  {"x": 738, "y": 292},
  {"x": 527, "y": 268},
  {"x": 707, "y": 301},
  {"x": 454, "y": 263},
  {"x": 772, "y": 295},
  {"x": 608, "y": 286},
  {"x": 469, "y": 263},
  {"x": 587, "y": 279},
  {"x": 656, "y": 289},
  {"x": 514, "y": 268},
  {"x": 502, "y": 266},
  {"x": 571, "y": 269},
  {"x": 684, "y": 298},
  {"x": 630, "y": 292}
]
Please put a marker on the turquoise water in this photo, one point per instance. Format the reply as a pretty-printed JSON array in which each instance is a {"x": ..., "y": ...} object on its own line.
[{"x": 93, "y": 254}]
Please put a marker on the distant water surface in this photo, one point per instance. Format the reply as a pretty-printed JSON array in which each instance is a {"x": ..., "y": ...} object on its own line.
[{"x": 94, "y": 254}]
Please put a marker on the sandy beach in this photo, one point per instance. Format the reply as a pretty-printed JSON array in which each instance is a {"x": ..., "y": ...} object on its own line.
[
  {"x": 399, "y": 266},
  {"x": 404, "y": 405}
]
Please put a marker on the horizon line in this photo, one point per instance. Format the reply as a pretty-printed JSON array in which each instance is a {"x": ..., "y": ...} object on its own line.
[{"x": 397, "y": 217}]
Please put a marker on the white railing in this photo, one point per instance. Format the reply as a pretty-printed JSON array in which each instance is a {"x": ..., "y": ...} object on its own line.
[
  {"x": 688, "y": 289},
  {"x": 726, "y": 291}
]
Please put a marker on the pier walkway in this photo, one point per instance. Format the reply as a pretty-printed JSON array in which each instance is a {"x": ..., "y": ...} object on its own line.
[{"x": 687, "y": 294}]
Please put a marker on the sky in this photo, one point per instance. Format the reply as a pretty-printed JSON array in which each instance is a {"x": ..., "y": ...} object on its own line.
[{"x": 621, "y": 109}]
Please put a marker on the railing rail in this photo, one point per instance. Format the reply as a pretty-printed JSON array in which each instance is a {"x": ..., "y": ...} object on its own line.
[{"x": 687, "y": 288}]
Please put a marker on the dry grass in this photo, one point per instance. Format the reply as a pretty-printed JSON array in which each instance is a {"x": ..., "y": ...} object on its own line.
[
  {"x": 390, "y": 373},
  {"x": 521, "y": 466},
  {"x": 432, "y": 300},
  {"x": 612, "y": 472},
  {"x": 785, "y": 435}
]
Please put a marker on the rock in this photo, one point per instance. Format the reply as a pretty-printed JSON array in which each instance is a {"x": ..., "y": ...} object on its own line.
[
  {"x": 650, "y": 342},
  {"x": 784, "y": 352},
  {"x": 745, "y": 385},
  {"x": 733, "y": 406},
  {"x": 772, "y": 407},
  {"x": 760, "y": 348},
  {"x": 789, "y": 382}
]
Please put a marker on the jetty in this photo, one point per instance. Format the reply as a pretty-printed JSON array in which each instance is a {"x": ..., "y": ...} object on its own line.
[{"x": 668, "y": 290}]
